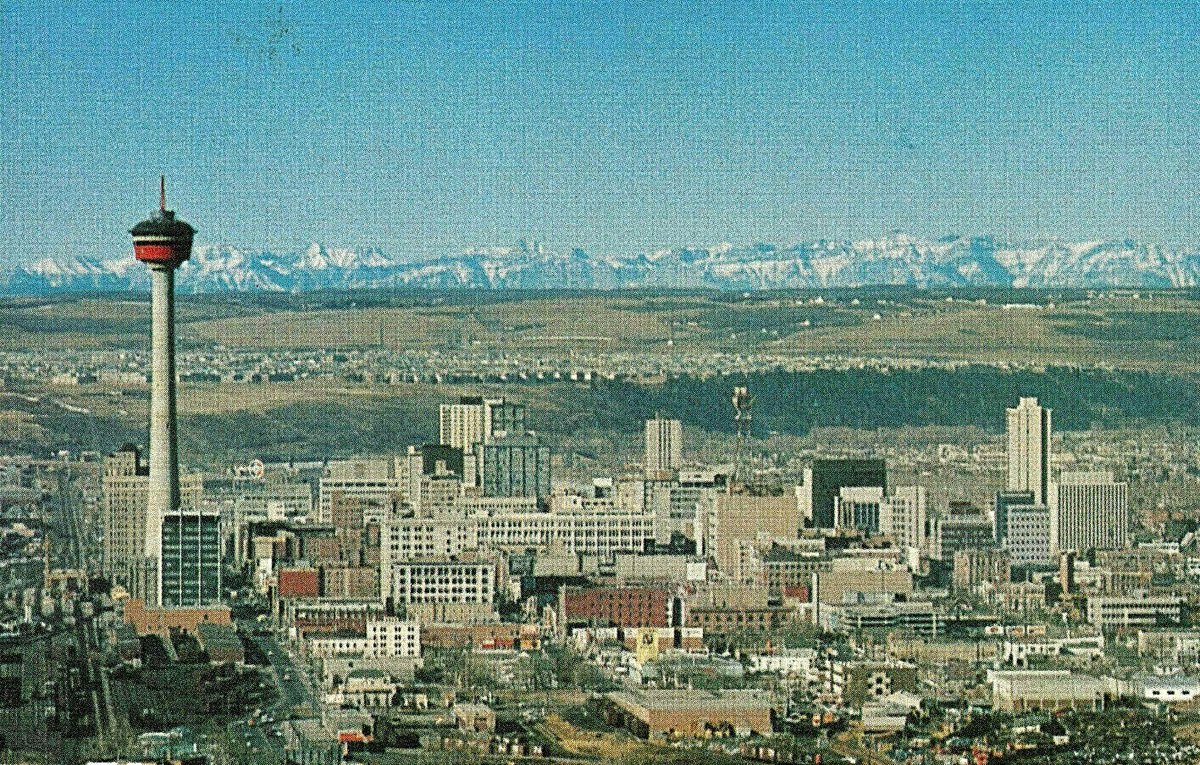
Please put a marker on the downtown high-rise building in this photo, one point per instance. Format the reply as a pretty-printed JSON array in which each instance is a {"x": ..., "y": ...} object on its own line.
[
  {"x": 962, "y": 527},
  {"x": 826, "y": 478},
  {"x": 1088, "y": 511},
  {"x": 515, "y": 466},
  {"x": 190, "y": 559},
  {"x": 1005, "y": 500},
  {"x": 857, "y": 507},
  {"x": 1027, "y": 535},
  {"x": 474, "y": 420},
  {"x": 903, "y": 514},
  {"x": 461, "y": 425},
  {"x": 664, "y": 445},
  {"x": 378, "y": 482},
  {"x": 125, "y": 492},
  {"x": 1029, "y": 449},
  {"x": 124, "y": 487},
  {"x": 900, "y": 514}
]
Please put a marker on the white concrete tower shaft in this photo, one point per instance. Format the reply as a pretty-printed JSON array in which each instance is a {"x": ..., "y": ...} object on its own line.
[{"x": 164, "y": 443}]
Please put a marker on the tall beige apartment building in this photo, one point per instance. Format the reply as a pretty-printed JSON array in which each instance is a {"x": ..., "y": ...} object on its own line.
[{"x": 126, "y": 497}]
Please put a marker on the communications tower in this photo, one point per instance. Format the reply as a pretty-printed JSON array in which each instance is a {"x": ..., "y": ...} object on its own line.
[
  {"x": 743, "y": 401},
  {"x": 162, "y": 242}
]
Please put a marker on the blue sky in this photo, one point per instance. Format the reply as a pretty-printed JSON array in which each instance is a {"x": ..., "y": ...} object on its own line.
[{"x": 428, "y": 127}]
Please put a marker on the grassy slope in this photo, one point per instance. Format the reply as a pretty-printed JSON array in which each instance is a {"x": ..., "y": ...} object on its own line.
[{"x": 1156, "y": 333}]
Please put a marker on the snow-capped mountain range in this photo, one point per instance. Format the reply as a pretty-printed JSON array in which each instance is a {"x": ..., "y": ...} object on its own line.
[{"x": 894, "y": 260}]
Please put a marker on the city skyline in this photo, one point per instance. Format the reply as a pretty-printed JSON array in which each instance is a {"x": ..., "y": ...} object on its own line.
[
  {"x": 759, "y": 383},
  {"x": 427, "y": 130}
]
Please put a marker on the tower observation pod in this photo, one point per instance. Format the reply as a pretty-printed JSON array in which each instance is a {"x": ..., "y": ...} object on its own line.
[
  {"x": 162, "y": 239},
  {"x": 162, "y": 242}
]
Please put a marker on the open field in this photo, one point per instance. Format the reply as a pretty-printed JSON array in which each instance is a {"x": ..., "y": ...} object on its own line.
[
  {"x": 1156, "y": 335},
  {"x": 539, "y": 323},
  {"x": 1121, "y": 332},
  {"x": 1157, "y": 331},
  {"x": 1108, "y": 360},
  {"x": 588, "y": 743},
  {"x": 94, "y": 322},
  {"x": 302, "y": 420}
]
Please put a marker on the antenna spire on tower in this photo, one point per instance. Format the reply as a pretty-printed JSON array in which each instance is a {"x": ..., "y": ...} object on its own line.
[{"x": 162, "y": 193}]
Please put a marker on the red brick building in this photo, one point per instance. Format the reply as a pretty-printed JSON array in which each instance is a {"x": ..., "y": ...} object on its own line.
[
  {"x": 314, "y": 616},
  {"x": 724, "y": 619},
  {"x": 617, "y": 606},
  {"x": 299, "y": 583},
  {"x": 161, "y": 621}
]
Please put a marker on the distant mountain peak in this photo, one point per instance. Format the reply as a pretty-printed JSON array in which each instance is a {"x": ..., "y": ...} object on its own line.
[{"x": 894, "y": 259}]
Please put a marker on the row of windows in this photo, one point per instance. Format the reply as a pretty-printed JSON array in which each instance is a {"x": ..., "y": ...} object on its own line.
[
  {"x": 444, "y": 582},
  {"x": 427, "y": 589},
  {"x": 1183, "y": 693},
  {"x": 429, "y": 575},
  {"x": 724, "y": 619}
]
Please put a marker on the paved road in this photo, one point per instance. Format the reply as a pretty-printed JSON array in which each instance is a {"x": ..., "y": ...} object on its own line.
[
  {"x": 258, "y": 742},
  {"x": 87, "y": 636}
]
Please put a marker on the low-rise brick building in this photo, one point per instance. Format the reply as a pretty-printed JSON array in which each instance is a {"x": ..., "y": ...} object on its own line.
[
  {"x": 690, "y": 713},
  {"x": 618, "y": 606}
]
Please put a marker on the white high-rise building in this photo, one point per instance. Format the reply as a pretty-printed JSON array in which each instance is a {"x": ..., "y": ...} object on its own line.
[
  {"x": 903, "y": 516},
  {"x": 664, "y": 445},
  {"x": 857, "y": 507},
  {"x": 475, "y": 420},
  {"x": 1089, "y": 511},
  {"x": 463, "y": 425},
  {"x": 900, "y": 514},
  {"x": 1029, "y": 449}
]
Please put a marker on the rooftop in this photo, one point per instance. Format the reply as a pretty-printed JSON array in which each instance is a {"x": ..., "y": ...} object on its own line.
[{"x": 678, "y": 700}]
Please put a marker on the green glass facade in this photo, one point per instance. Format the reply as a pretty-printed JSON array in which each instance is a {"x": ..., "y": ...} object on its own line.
[
  {"x": 516, "y": 466},
  {"x": 191, "y": 559}
]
